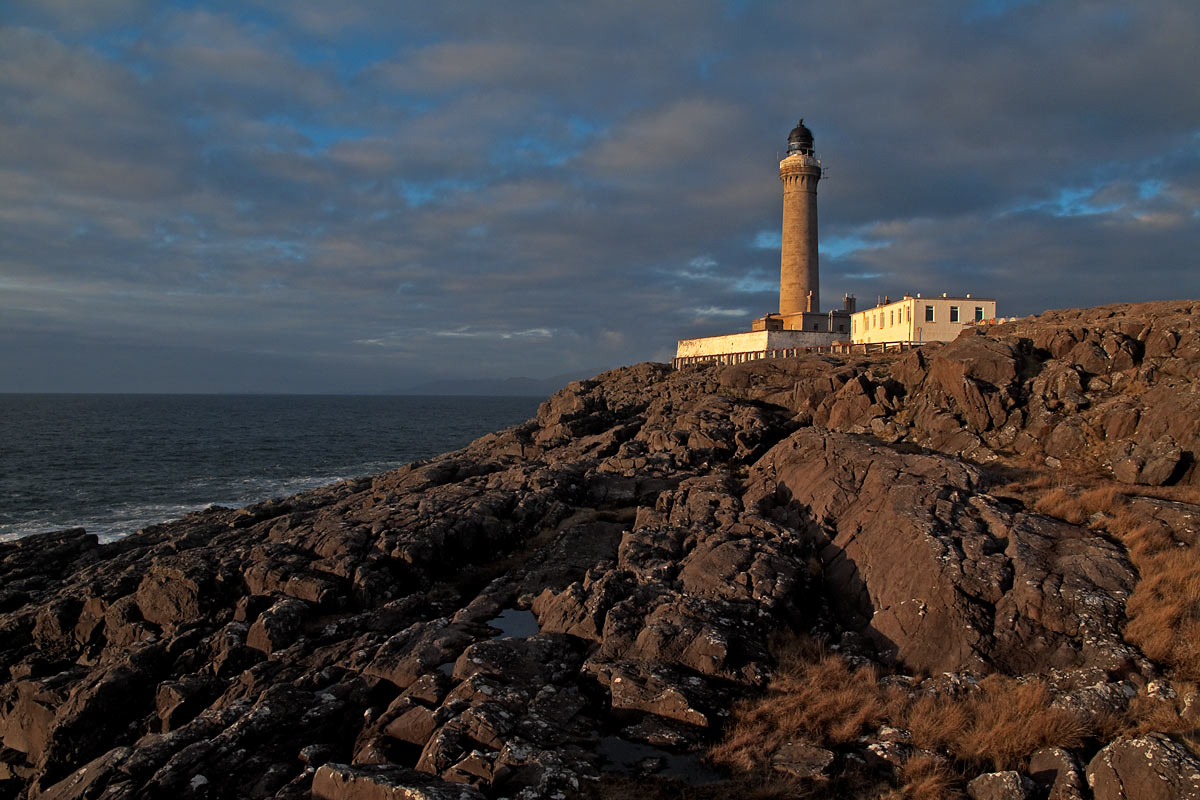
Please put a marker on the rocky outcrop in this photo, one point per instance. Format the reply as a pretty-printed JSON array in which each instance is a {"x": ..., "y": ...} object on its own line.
[
  {"x": 656, "y": 528},
  {"x": 1148, "y": 768},
  {"x": 1008, "y": 785},
  {"x": 942, "y": 576}
]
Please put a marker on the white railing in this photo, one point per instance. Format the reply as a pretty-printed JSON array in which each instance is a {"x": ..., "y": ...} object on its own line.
[{"x": 795, "y": 352}]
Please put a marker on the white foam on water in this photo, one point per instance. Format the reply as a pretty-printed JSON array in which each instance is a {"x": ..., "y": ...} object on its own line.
[{"x": 122, "y": 520}]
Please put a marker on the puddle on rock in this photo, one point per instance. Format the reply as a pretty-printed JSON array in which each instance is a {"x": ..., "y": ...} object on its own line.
[
  {"x": 514, "y": 623},
  {"x": 642, "y": 759},
  {"x": 447, "y": 669}
]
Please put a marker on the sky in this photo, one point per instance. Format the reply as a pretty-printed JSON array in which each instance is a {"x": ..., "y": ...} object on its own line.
[{"x": 357, "y": 197}]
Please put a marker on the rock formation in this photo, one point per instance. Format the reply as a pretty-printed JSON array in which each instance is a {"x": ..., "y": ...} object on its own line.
[{"x": 653, "y": 531}]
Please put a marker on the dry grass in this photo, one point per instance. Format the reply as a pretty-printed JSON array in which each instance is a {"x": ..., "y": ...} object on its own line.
[
  {"x": 745, "y": 787},
  {"x": 1164, "y": 608},
  {"x": 1063, "y": 504},
  {"x": 818, "y": 699},
  {"x": 825, "y": 701},
  {"x": 998, "y": 726},
  {"x": 1178, "y": 494},
  {"x": 1079, "y": 507},
  {"x": 926, "y": 778},
  {"x": 1162, "y": 715},
  {"x": 1010, "y": 720}
]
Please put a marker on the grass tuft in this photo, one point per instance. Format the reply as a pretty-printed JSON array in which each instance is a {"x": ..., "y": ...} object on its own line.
[
  {"x": 1164, "y": 608},
  {"x": 829, "y": 703},
  {"x": 927, "y": 778},
  {"x": 1010, "y": 720}
]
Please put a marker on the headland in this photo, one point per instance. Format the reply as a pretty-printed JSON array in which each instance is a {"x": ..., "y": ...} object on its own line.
[{"x": 961, "y": 568}]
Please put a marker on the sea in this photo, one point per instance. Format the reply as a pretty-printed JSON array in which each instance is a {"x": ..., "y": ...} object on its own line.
[{"x": 115, "y": 463}]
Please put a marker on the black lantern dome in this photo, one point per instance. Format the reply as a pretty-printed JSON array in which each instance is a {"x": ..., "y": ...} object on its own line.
[{"x": 800, "y": 140}]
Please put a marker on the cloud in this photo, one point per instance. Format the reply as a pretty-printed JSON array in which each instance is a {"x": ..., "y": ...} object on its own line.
[
  {"x": 713, "y": 311},
  {"x": 404, "y": 190}
]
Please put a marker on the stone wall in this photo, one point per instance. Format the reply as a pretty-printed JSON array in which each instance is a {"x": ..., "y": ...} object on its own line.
[{"x": 751, "y": 342}]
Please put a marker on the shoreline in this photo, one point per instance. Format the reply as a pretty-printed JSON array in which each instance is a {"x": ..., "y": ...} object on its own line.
[
  {"x": 122, "y": 462},
  {"x": 944, "y": 526}
]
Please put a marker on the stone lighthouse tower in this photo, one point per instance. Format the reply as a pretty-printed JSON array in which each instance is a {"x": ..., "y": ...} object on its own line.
[{"x": 799, "y": 277}]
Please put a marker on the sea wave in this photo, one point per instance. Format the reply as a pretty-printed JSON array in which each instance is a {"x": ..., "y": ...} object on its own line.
[
  {"x": 113, "y": 464},
  {"x": 124, "y": 519}
]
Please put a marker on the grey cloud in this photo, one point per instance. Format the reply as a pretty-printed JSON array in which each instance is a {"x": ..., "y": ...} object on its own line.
[
  {"x": 214, "y": 63},
  {"x": 76, "y": 17},
  {"x": 575, "y": 186}
]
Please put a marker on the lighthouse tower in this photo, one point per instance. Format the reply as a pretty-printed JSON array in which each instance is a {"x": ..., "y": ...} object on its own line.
[
  {"x": 799, "y": 323},
  {"x": 799, "y": 276}
]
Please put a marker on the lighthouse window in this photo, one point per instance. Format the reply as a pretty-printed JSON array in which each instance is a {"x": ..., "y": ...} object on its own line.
[
  {"x": 929, "y": 313},
  {"x": 954, "y": 313}
]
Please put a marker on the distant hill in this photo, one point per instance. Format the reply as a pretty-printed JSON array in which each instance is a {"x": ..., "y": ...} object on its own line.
[{"x": 500, "y": 387}]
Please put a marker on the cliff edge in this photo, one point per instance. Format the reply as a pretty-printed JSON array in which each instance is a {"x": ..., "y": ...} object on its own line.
[{"x": 963, "y": 570}]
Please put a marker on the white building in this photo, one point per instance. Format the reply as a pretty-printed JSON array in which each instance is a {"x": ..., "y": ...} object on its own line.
[{"x": 920, "y": 319}]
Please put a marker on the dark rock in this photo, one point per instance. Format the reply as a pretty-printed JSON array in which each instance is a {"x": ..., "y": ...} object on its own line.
[
  {"x": 660, "y": 732},
  {"x": 415, "y": 726},
  {"x": 278, "y": 626},
  {"x": 421, "y": 648},
  {"x": 802, "y": 760},
  {"x": 169, "y": 594},
  {"x": 1058, "y": 772},
  {"x": 383, "y": 782},
  {"x": 1007, "y": 785},
  {"x": 99, "y": 710},
  {"x": 29, "y": 711},
  {"x": 179, "y": 701},
  {"x": 1152, "y": 767},
  {"x": 98, "y": 778},
  {"x": 546, "y": 657},
  {"x": 664, "y": 692},
  {"x": 941, "y": 576},
  {"x": 662, "y": 526}
]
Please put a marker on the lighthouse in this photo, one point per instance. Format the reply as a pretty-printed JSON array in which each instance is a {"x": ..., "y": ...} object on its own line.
[
  {"x": 799, "y": 269},
  {"x": 799, "y": 323},
  {"x": 799, "y": 326}
]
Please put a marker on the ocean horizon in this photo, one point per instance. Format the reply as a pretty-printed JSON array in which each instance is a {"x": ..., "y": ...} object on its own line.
[{"x": 115, "y": 463}]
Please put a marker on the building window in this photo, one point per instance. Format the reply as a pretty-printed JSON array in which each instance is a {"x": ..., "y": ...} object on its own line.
[
  {"x": 954, "y": 313},
  {"x": 979, "y": 313},
  {"x": 929, "y": 313},
  {"x": 891, "y": 317}
]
